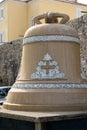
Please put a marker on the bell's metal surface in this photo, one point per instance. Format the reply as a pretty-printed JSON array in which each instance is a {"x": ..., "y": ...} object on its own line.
[{"x": 50, "y": 77}]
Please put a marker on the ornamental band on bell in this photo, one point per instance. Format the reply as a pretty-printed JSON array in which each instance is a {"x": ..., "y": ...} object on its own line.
[{"x": 47, "y": 69}]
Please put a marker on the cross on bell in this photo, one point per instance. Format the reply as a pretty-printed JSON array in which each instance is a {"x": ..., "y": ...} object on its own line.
[{"x": 47, "y": 67}]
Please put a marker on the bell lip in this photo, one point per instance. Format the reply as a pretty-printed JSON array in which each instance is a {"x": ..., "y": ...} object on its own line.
[{"x": 44, "y": 108}]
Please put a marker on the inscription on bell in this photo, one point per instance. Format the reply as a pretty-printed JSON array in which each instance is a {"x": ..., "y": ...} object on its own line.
[{"x": 47, "y": 69}]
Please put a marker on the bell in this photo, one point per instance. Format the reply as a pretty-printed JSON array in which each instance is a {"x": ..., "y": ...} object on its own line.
[{"x": 50, "y": 76}]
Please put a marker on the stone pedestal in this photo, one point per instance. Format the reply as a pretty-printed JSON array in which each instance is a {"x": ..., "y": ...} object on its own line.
[{"x": 15, "y": 120}]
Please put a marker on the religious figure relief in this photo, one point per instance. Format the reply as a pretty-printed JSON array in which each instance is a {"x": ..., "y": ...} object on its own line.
[
  {"x": 51, "y": 17},
  {"x": 47, "y": 69}
]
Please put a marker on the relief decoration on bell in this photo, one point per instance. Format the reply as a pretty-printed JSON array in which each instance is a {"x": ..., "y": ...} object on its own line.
[{"x": 47, "y": 69}]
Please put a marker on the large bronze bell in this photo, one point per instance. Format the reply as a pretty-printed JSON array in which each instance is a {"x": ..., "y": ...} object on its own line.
[{"x": 50, "y": 74}]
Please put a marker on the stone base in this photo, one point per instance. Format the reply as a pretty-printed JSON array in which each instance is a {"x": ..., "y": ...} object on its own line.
[
  {"x": 15, "y": 120},
  {"x": 45, "y": 99}
]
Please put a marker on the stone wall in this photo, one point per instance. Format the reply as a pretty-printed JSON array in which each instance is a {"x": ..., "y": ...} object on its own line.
[
  {"x": 10, "y": 53},
  {"x": 80, "y": 25}
]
